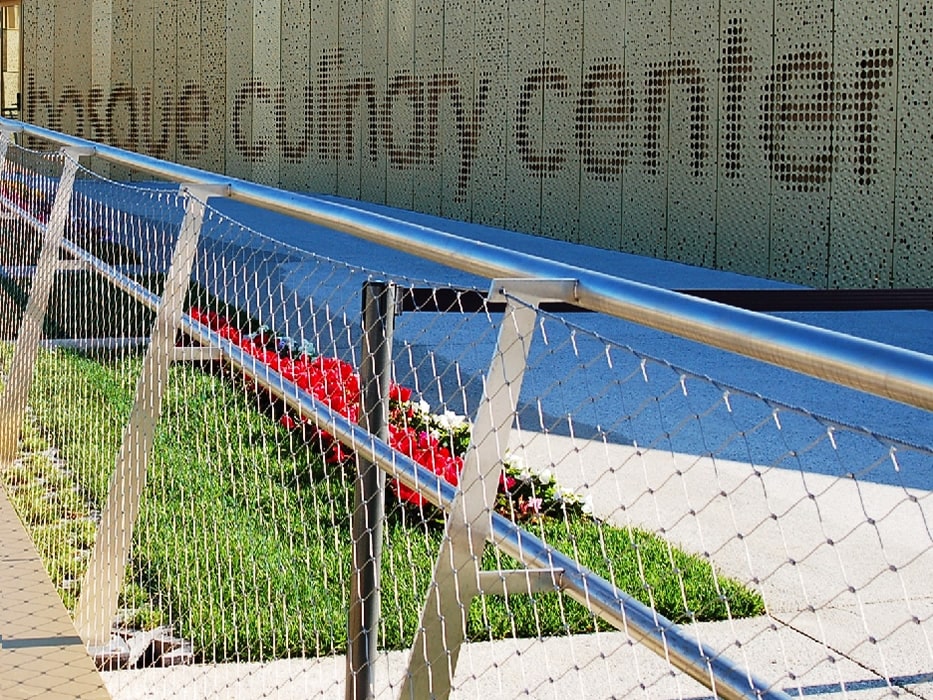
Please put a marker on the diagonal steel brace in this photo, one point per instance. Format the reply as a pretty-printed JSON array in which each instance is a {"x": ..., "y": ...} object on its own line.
[{"x": 457, "y": 576}]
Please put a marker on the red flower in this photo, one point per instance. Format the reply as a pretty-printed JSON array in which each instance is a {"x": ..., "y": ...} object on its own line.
[
  {"x": 399, "y": 393},
  {"x": 506, "y": 483},
  {"x": 424, "y": 449},
  {"x": 336, "y": 384},
  {"x": 337, "y": 454}
]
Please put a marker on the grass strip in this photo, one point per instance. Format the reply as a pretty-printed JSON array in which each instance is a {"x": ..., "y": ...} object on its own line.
[
  {"x": 49, "y": 500},
  {"x": 243, "y": 540}
]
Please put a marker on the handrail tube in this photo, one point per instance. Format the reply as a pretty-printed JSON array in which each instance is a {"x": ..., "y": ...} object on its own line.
[
  {"x": 599, "y": 596},
  {"x": 894, "y": 373},
  {"x": 629, "y": 615}
]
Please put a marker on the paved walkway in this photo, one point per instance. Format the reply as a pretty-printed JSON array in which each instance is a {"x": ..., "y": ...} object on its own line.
[{"x": 41, "y": 655}]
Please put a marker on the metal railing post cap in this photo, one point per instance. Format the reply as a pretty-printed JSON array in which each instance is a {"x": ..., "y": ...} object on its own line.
[
  {"x": 78, "y": 152},
  {"x": 535, "y": 289},
  {"x": 203, "y": 191}
]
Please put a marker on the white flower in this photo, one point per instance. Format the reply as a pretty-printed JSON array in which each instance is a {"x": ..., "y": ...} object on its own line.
[
  {"x": 520, "y": 469},
  {"x": 450, "y": 421},
  {"x": 422, "y": 407},
  {"x": 587, "y": 505},
  {"x": 565, "y": 495},
  {"x": 545, "y": 476}
]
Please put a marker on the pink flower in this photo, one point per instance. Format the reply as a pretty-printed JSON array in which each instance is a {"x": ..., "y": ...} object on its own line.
[{"x": 530, "y": 505}]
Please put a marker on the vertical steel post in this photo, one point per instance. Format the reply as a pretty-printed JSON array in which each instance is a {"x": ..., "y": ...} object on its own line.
[
  {"x": 19, "y": 379},
  {"x": 106, "y": 569},
  {"x": 369, "y": 491}
]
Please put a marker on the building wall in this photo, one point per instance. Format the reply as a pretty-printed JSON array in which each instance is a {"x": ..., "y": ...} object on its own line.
[{"x": 782, "y": 138}]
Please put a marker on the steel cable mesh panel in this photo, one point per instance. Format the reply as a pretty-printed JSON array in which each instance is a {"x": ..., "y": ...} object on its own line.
[
  {"x": 830, "y": 524},
  {"x": 29, "y": 181},
  {"x": 790, "y": 543},
  {"x": 42, "y": 657}
]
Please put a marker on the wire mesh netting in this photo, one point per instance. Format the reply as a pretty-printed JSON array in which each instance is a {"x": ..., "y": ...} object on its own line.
[{"x": 184, "y": 473}]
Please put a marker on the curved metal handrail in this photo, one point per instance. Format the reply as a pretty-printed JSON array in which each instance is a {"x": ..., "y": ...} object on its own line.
[{"x": 894, "y": 373}]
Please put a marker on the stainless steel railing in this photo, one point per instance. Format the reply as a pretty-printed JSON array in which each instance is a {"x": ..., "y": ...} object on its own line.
[
  {"x": 880, "y": 369},
  {"x": 883, "y": 370},
  {"x": 598, "y": 595}
]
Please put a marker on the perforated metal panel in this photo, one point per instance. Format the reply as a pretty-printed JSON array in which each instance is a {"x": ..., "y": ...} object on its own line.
[
  {"x": 266, "y": 77},
  {"x": 691, "y": 150},
  {"x": 294, "y": 104},
  {"x": 460, "y": 117},
  {"x": 164, "y": 79},
  {"x": 60, "y": 101},
  {"x": 797, "y": 121},
  {"x": 121, "y": 57},
  {"x": 527, "y": 158},
  {"x": 913, "y": 202},
  {"x": 150, "y": 115},
  {"x": 429, "y": 85},
  {"x": 373, "y": 166},
  {"x": 238, "y": 36},
  {"x": 72, "y": 69},
  {"x": 862, "y": 186},
  {"x": 75, "y": 25},
  {"x": 487, "y": 185},
  {"x": 101, "y": 40},
  {"x": 644, "y": 184},
  {"x": 403, "y": 110},
  {"x": 560, "y": 183},
  {"x": 787, "y": 140},
  {"x": 38, "y": 61},
  {"x": 360, "y": 111},
  {"x": 604, "y": 122},
  {"x": 327, "y": 67},
  {"x": 743, "y": 205},
  {"x": 192, "y": 104},
  {"x": 213, "y": 85},
  {"x": 111, "y": 109}
]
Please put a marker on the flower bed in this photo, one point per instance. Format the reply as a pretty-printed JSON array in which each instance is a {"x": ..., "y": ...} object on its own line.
[{"x": 437, "y": 442}]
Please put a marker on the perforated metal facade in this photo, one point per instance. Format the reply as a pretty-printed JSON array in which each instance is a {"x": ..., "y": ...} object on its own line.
[{"x": 782, "y": 138}]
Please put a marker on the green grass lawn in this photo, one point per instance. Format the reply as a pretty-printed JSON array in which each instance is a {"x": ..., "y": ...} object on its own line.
[{"x": 243, "y": 542}]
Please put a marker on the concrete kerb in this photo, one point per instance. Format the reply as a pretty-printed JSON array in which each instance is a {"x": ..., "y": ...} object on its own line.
[{"x": 605, "y": 665}]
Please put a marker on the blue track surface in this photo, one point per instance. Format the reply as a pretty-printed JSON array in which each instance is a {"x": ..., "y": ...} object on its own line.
[{"x": 907, "y": 329}]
